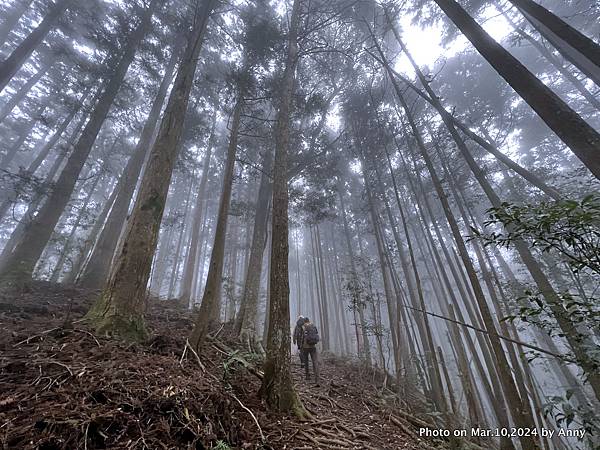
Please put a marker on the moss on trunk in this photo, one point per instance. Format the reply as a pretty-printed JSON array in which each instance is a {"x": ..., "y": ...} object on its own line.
[{"x": 106, "y": 319}]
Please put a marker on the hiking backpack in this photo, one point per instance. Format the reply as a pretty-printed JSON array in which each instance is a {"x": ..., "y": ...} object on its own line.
[{"x": 311, "y": 335}]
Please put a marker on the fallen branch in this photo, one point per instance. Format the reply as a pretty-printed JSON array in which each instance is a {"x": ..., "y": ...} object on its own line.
[
  {"x": 87, "y": 332},
  {"x": 43, "y": 333},
  {"x": 187, "y": 345},
  {"x": 262, "y": 436}
]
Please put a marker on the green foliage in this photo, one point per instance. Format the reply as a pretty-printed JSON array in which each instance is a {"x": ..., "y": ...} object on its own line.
[
  {"x": 221, "y": 445},
  {"x": 569, "y": 228},
  {"x": 565, "y": 415},
  {"x": 569, "y": 231}
]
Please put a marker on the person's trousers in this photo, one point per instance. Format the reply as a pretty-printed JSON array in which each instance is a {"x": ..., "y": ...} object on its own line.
[
  {"x": 315, "y": 362},
  {"x": 301, "y": 355}
]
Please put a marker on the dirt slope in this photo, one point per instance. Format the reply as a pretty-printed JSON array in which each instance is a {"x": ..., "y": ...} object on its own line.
[{"x": 62, "y": 387}]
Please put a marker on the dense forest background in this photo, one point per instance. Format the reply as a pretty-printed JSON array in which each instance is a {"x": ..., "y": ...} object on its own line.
[{"x": 419, "y": 177}]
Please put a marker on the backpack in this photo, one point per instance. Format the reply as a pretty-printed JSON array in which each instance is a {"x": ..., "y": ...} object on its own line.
[{"x": 311, "y": 335}]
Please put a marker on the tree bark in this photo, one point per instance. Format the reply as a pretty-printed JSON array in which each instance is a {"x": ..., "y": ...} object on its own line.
[
  {"x": 212, "y": 289},
  {"x": 247, "y": 325},
  {"x": 364, "y": 351},
  {"x": 96, "y": 271},
  {"x": 277, "y": 386},
  {"x": 120, "y": 309}
]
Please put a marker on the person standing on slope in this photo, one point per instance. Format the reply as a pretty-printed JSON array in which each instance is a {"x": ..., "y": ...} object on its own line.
[
  {"x": 297, "y": 338},
  {"x": 310, "y": 339}
]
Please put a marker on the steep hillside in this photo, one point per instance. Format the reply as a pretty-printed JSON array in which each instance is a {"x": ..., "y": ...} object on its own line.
[{"x": 62, "y": 387}]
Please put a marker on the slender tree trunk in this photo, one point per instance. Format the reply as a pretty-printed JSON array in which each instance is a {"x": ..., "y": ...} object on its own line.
[
  {"x": 325, "y": 324},
  {"x": 580, "y": 137},
  {"x": 190, "y": 263},
  {"x": 579, "y": 42},
  {"x": 25, "y": 255},
  {"x": 83, "y": 253},
  {"x": 17, "y": 58},
  {"x": 338, "y": 285},
  {"x": 423, "y": 325},
  {"x": 277, "y": 387},
  {"x": 15, "y": 146},
  {"x": 98, "y": 267},
  {"x": 180, "y": 245},
  {"x": 512, "y": 396},
  {"x": 120, "y": 308},
  {"x": 212, "y": 288},
  {"x": 566, "y": 73},
  {"x": 75, "y": 228},
  {"x": 364, "y": 351},
  {"x": 247, "y": 325},
  {"x": 24, "y": 90}
]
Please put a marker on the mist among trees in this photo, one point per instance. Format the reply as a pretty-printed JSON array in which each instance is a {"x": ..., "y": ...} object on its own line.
[{"x": 420, "y": 178}]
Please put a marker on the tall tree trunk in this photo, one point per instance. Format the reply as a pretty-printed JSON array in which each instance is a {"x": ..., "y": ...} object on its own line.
[
  {"x": 247, "y": 324},
  {"x": 180, "y": 245},
  {"x": 277, "y": 387},
  {"x": 84, "y": 251},
  {"x": 364, "y": 351},
  {"x": 28, "y": 127},
  {"x": 487, "y": 146},
  {"x": 338, "y": 285},
  {"x": 325, "y": 324},
  {"x": 27, "y": 252},
  {"x": 98, "y": 267},
  {"x": 120, "y": 308},
  {"x": 17, "y": 58},
  {"x": 212, "y": 289},
  {"x": 576, "y": 341},
  {"x": 190, "y": 262},
  {"x": 24, "y": 90},
  {"x": 565, "y": 72},
  {"x": 559, "y": 30},
  {"x": 58, "y": 267},
  {"x": 508, "y": 385},
  {"x": 33, "y": 205},
  {"x": 569, "y": 53},
  {"x": 12, "y": 19},
  {"x": 423, "y": 325},
  {"x": 579, "y": 136}
]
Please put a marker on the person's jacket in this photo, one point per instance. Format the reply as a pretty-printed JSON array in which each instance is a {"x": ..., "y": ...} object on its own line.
[{"x": 299, "y": 332}]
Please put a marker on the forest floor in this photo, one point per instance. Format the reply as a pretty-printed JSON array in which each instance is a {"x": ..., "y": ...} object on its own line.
[{"x": 62, "y": 387}]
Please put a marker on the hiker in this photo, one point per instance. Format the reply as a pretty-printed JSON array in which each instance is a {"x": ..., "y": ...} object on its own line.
[
  {"x": 297, "y": 338},
  {"x": 310, "y": 339}
]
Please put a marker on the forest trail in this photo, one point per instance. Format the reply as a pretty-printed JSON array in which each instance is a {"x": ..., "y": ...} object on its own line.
[{"x": 63, "y": 387}]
